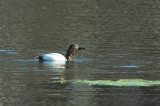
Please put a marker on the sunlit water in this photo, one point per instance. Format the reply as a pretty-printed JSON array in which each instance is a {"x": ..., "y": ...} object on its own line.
[{"x": 120, "y": 66}]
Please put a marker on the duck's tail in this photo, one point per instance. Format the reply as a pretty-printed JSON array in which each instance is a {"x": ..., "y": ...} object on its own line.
[{"x": 40, "y": 58}]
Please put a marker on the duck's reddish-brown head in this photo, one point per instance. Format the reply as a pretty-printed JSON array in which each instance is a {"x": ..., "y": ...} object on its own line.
[{"x": 72, "y": 49}]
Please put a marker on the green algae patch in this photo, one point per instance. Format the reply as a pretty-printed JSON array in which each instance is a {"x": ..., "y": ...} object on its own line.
[{"x": 121, "y": 82}]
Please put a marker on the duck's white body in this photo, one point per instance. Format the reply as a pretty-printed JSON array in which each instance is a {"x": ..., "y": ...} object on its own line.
[
  {"x": 54, "y": 57},
  {"x": 58, "y": 57}
]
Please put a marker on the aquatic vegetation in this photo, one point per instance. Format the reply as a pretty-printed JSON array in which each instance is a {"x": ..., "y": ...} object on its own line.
[{"x": 121, "y": 82}]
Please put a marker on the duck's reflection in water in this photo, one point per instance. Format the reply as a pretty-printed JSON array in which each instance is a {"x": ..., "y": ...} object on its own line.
[
  {"x": 54, "y": 64},
  {"x": 56, "y": 70}
]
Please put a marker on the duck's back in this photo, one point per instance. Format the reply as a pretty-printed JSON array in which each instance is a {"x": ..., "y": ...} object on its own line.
[{"x": 53, "y": 57}]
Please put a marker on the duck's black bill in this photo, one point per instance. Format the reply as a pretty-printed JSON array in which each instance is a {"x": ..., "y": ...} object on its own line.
[{"x": 81, "y": 48}]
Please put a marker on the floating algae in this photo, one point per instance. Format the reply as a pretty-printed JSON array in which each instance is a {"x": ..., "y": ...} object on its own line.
[{"x": 121, "y": 82}]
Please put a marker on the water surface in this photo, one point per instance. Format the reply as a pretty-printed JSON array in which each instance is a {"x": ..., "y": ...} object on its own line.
[{"x": 120, "y": 66}]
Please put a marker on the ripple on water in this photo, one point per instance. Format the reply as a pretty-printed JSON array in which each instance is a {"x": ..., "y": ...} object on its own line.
[
  {"x": 127, "y": 66},
  {"x": 12, "y": 52},
  {"x": 40, "y": 70},
  {"x": 9, "y": 51},
  {"x": 30, "y": 60},
  {"x": 80, "y": 60},
  {"x": 5, "y": 50}
]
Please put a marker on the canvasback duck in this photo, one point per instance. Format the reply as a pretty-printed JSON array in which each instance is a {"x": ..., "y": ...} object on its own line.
[{"x": 59, "y": 57}]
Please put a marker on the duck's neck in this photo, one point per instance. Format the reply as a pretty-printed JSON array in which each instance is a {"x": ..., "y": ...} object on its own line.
[{"x": 69, "y": 54}]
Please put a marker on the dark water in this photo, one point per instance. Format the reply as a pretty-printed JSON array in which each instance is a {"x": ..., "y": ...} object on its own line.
[{"x": 122, "y": 39}]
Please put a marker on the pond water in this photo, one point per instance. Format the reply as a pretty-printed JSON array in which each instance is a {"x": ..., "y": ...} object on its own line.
[{"x": 120, "y": 66}]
